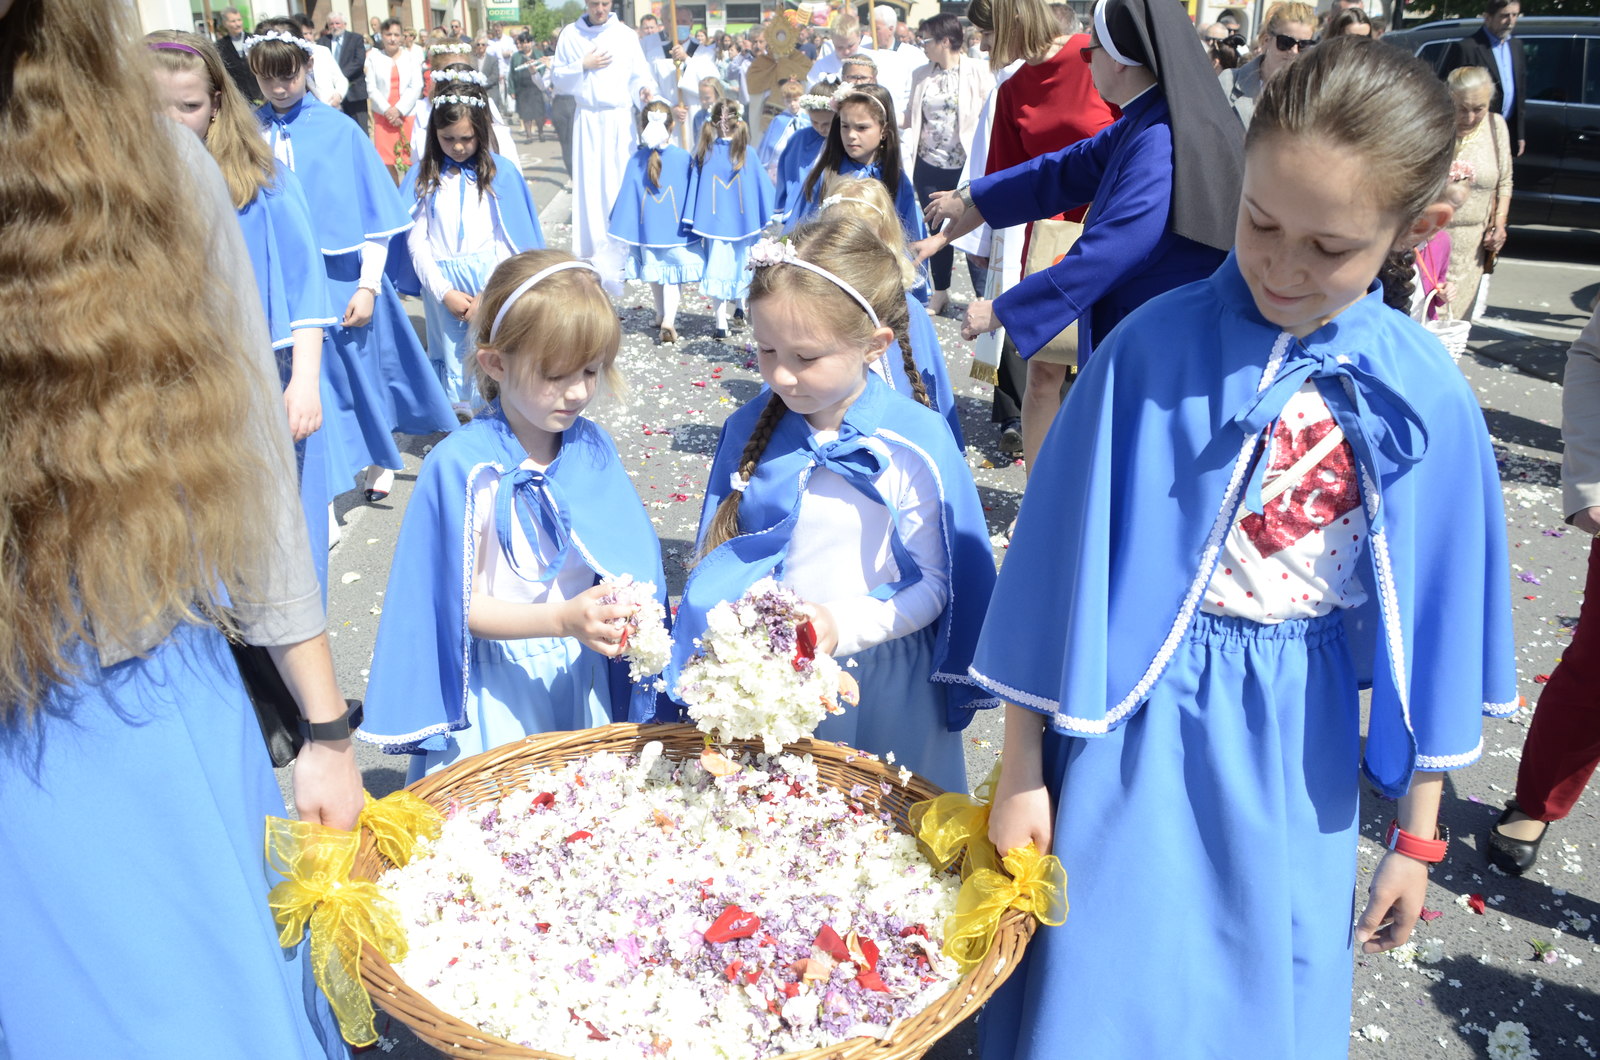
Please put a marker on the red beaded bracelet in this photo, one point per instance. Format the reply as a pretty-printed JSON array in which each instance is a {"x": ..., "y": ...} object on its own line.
[{"x": 1430, "y": 850}]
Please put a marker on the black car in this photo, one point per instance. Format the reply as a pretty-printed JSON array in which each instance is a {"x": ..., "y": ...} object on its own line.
[{"x": 1557, "y": 179}]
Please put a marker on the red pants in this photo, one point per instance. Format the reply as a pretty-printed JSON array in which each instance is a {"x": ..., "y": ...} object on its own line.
[{"x": 1564, "y": 739}]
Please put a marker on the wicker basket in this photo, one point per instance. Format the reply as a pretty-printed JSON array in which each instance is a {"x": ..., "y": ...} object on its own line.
[
  {"x": 506, "y": 769},
  {"x": 1452, "y": 333}
]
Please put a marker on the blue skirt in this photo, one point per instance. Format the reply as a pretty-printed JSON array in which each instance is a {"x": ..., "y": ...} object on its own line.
[
  {"x": 450, "y": 342},
  {"x": 1210, "y": 849},
  {"x": 725, "y": 276},
  {"x": 132, "y": 819},
  {"x": 388, "y": 349},
  {"x": 901, "y": 711},
  {"x": 520, "y": 688},
  {"x": 669, "y": 265}
]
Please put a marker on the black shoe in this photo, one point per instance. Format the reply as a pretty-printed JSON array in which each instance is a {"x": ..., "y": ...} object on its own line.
[
  {"x": 719, "y": 333},
  {"x": 1011, "y": 438},
  {"x": 738, "y": 319},
  {"x": 1512, "y": 856}
]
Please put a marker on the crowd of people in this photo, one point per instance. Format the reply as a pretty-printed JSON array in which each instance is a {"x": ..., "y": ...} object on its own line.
[{"x": 1228, "y": 529}]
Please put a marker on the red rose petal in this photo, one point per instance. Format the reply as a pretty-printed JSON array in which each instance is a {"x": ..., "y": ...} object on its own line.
[
  {"x": 734, "y": 923},
  {"x": 914, "y": 929},
  {"x": 871, "y": 981},
  {"x": 1475, "y": 903},
  {"x": 791, "y": 989},
  {"x": 733, "y": 969},
  {"x": 543, "y": 927},
  {"x": 829, "y": 942},
  {"x": 579, "y": 834},
  {"x": 1431, "y": 915}
]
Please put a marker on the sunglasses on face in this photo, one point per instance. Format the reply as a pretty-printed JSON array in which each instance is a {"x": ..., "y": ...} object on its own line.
[
  {"x": 1287, "y": 43},
  {"x": 1087, "y": 53}
]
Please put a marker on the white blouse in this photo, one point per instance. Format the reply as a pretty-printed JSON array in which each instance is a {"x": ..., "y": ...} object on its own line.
[
  {"x": 1298, "y": 558},
  {"x": 499, "y": 580},
  {"x": 457, "y": 222},
  {"x": 839, "y": 551}
]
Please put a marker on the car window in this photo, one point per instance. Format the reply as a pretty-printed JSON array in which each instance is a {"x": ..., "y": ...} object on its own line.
[
  {"x": 1432, "y": 52},
  {"x": 1555, "y": 68},
  {"x": 1591, "y": 73}
]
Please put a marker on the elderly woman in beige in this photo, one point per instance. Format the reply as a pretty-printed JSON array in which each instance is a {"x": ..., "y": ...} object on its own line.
[{"x": 1478, "y": 228}]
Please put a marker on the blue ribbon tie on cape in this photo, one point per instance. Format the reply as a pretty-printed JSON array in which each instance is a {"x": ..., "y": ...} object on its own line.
[
  {"x": 532, "y": 496},
  {"x": 1372, "y": 414}
]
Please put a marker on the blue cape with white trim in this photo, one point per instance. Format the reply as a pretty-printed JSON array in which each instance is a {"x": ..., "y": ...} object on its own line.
[
  {"x": 771, "y": 501},
  {"x": 725, "y": 203},
  {"x": 417, "y": 693},
  {"x": 1140, "y": 476},
  {"x": 646, "y": 218},
  {"x": 351, "y": 195},
  {"x": 794, "y": 162},
  {"x": 286, "y": 259},
  {"x": 905, "y": 198},
  {"x": 515, "y": 213}
]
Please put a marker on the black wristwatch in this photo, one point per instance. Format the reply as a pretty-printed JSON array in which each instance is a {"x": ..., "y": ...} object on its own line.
[{"x": 337, "y": 729}]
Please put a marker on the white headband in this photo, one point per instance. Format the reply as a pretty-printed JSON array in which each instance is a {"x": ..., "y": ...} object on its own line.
[
  {"x": 529, "y": 283},
  {"x": 769, "y": 252},
  {"x": 1103, "y": 35},
  {"x": 834, "y": 200},
  {"x": 470, "y": 76}
]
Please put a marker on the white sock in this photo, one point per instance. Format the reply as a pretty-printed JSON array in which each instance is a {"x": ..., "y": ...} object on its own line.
[
  {"x": 333, "y": 528},
  {"x": 667, "y": 300},
  {"x": 722, "y": 315},
  {"x": 661, "y": 309}
]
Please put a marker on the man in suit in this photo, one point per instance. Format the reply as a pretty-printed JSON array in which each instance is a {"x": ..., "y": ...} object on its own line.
[
  {"x": 1494, "y": 49},
  {"x": 350, "y": 52},
  {"x": 231, "y": 45}
]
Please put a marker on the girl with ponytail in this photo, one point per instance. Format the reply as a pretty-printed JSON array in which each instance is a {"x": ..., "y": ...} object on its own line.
[
  {"x": 648, "y": 217},
  {"x": 854, "y": 496},
  {"x": 730, "y": 200}
]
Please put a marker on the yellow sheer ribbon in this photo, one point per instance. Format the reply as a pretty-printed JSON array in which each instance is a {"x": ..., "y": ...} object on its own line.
[
  {"x": 397, "y": 821},
  {"x": 954, "y": 825},
  {"x": 1029, "y": 881},
  {"x": 343, "y": 914}
]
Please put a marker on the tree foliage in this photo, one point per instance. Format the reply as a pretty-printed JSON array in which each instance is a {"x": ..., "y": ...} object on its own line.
[{"x": 544, "y": 21}]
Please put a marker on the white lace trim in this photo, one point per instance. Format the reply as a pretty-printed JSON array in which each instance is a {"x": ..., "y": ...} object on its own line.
[
  {"x": 404, "y": 743},
  {"x": 1502, "y": 710},
  {"x": 1437, "y": 763}
]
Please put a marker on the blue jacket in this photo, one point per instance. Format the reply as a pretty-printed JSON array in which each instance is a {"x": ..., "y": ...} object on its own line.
[
  {"x": 1127, "y": 254},
  {"x": 509, "y": 198}
]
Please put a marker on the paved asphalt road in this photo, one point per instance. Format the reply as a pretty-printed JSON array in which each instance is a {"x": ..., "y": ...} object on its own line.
[{"x": 666, "y": 431}]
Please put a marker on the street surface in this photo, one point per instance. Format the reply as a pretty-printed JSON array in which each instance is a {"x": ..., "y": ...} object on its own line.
[{"x": 666, "y": 428}]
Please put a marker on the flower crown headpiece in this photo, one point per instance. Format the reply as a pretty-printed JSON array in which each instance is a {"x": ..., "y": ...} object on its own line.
[
  {"x": 287, "y": 38},
  {"x": 854, "y": 93},
  {"x": 769, "y": 252},
  {"x": 469, "y": 101},
  {"x": 468, "y": 76},
  {"x": 813, "y": 101},
  {"x": 449, "y": 49}
]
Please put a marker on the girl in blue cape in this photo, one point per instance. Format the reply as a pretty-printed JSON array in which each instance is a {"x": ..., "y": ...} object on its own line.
[
  {"x": 648, "y": 217},
  {"x": 472, "y": 211},
  {"x": 493, "y": 625},
  {"x": 916, "y": 368},
  {"x": 863, "y": 141},
  {"x": 729, "y": 202},
  {"x": 1266, "y": 491},
  {"x": 377, "y": 367},
  {"x": 800, "y": 153},
  {"x": 852, "y": 495},
  {"x": 276, "y": 223}
]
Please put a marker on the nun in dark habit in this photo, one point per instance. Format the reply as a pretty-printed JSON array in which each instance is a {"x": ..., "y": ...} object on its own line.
[{"x": 1162, "y": 183}]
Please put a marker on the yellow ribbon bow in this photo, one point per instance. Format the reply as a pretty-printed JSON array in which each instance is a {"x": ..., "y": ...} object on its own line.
[
  {"x": 955, "y": 826},
  {"x": 397, "y": 821},
  {"x": 1030, "y": 881},
  {"x": 342, "y": 914}
]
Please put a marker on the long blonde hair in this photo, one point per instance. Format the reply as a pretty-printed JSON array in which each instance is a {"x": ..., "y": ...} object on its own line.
[
  {"x": 851, "y": 250},
  {"x": 125, "y": 497},
  {"x": 1023, "y": 29},
  {"x": 234, "y": 139}
]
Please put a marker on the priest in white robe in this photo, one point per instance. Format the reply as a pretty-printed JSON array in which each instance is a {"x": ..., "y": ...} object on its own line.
[{"x": 599, "y": 63}]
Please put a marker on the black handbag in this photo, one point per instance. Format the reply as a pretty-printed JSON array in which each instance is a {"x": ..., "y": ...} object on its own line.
[{"x": 276, "y": 710}]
